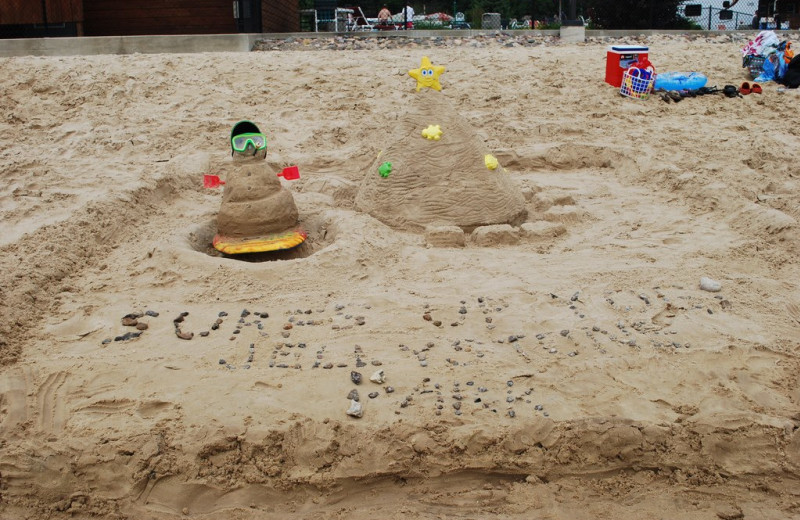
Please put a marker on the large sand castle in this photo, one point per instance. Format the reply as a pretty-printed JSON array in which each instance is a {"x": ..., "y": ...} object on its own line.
[{"x": 438, "y": 182}]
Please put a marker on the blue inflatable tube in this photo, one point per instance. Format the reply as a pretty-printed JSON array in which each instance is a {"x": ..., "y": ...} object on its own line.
[{"x": 679, "y": 81}]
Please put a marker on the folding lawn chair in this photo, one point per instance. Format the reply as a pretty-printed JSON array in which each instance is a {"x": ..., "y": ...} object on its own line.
[{"x": 357, "y": 21}]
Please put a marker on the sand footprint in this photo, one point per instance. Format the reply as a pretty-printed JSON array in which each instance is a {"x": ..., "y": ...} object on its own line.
[{"x": 794, "y": 311}]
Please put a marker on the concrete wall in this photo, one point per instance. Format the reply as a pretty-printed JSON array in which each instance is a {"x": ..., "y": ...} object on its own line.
[{"x": 128, "y": 45}]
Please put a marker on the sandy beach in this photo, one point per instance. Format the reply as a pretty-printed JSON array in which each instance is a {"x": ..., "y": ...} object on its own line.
[{"x": 562, "y": 364}]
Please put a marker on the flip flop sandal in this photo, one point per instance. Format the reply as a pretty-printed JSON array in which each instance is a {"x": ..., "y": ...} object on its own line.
[
  {"x": 730, "y": 91},
  {"x": 756, "y": 88},
  {"x": 745, "y": 88},
  {"x": 675, "y": 95},
  {"x": 665, "y": 97}
]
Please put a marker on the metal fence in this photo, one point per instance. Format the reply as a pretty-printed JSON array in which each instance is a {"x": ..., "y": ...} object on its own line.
[
  {"x": 716, "y": 15},
  {"x": 718, "y": 18}
]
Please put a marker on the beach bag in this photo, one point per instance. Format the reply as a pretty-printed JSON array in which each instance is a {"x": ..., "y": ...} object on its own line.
[
  {"x": 768, "y": 72},
  {"x": 780, "y": 66},
  {"x": 754, "y": 64}
]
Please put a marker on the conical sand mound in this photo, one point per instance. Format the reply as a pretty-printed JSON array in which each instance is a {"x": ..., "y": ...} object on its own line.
[
  {"x": 254, "y": 203},
  {"x": 444, "y": 182}
]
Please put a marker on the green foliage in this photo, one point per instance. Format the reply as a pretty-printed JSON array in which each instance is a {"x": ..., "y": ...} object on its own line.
[
  {"x": 542, "y": 9},
  {"x": 635, "y": 14},
  {"x": 474, "y": 16},
  {"x": 494, "y": 6},
  {"x": 689, "y": 25}
]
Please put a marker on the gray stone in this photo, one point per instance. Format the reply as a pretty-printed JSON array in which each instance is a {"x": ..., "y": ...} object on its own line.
[
  {"x": 707, "y": 284},
  {"x": 378, "y": 377},
  {"x": 355, "y": 410}
]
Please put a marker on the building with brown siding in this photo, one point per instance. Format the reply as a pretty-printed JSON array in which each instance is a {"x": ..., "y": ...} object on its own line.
[{"x": 29, "y": 18}]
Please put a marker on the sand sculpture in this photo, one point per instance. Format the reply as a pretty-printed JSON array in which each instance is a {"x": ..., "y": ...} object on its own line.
[
  {"x": 441, "y": 172},
  {"x": 257, "y": 213}
]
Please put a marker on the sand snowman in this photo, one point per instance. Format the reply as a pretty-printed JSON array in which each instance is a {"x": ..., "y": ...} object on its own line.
[
  {"x": 436, "y": 170},
  {"x": 257, "y": 212}
]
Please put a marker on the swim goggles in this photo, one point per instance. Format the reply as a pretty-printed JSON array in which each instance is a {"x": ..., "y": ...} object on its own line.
[{"x": 257, "y": 141}]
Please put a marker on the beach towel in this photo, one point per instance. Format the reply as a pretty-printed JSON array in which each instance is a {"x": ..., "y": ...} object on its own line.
[
  {"x": 764, "y": 44},
  {"x": 792, "y": 77}
]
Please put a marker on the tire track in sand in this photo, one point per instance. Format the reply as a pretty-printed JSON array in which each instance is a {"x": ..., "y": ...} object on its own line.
[{"x": 50, "y": 405}]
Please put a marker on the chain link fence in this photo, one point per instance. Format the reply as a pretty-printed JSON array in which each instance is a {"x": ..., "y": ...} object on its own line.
[
  {"x": 719, "y": 16},
  {"x": 715, "y": 15}
]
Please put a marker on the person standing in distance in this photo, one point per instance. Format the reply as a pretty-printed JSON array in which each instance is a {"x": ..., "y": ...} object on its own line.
[
  {"x": 408, "y": 17},
  {"x": 383, "y": 15}
]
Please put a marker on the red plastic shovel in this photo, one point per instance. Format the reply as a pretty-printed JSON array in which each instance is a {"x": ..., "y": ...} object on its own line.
[
  {"x": 290, "y": 173},
  {"x": 212, "y": 181}
]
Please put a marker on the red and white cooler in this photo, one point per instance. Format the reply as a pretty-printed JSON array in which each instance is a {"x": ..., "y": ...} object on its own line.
[{"x": 619, "y": 58}]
